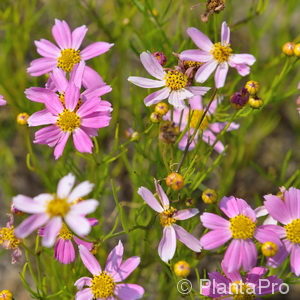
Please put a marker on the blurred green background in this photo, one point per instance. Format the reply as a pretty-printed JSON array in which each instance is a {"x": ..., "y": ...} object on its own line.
[{"x": 262, "y": 155}]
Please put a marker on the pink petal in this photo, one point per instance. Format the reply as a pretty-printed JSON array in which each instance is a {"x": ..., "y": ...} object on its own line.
[
  {"x": 42, "y": 117},
  {"x": 51, "y": 231},
  {"x": 78, "y": 35},
  {"x": 255, "y": 274},
  {"x": 41, "y": 66},
  {"x": 195, "y": 55},
  {"x": 82, "y": 141},
  {"x": 59, "y": 79},
  {"x": 47, "y": 49},
  {"x": 213, "y": 221},
  {"x": 76, "y": 75},
  {"x": 49, "y": 134},
  {"x": 28, "y": 205},
  {"x": 31, "y": 224},
  {"x": 71, "y": 96},
  {"x": 152, "y": 65},
  {"x": 146, "y": 82},
  {"x": 81, "y": 190},
  {"x": 78, "y": 224},
  {"x": 263, "y": 234},
  {"x": 37, "y": 94},
  {"x": 233, "y": 257},
  {"x": 89, "y": 260},
  {"x": 114, "y": 259},
  {"x": 177, "y": 98},
  {"x": 186, "y": 238},
  {"x": 279, "y": 258},
  {"x": 53, "y": 104},
  {"x": 2, "y": 101},
  {"x": 64, "y": 251},
  {"x": 225, "y": 34},
  {"x": 99, "y": 121},
  {"x": 126, "y": 268},
  {"x": 85, "y": 294},
  {"x": 220, "y": 75},
  {"x": 196, "y": 102},
  {"x": 232, "y": 206},
  {"x": 97, "y": 92},
  {"x": 248, "y": 255},
  {"x": 91, "y": 79},
  {"x": 83, "y": 281},
  {"x": 219, "y": 126},
  {"x": 62, "y": 34},
  {"x": 161, "y": 194},
  {"x": 198, "y": 90},
  {"x": 86, "y": 244},
  {"x": 185, "y": 214},
  {"x": 157, "y": 96},
  {"x": 246, "y": 59},
  {"x": 200, "y": 39},
  {"x": 95, "y": 49},
  {"x": 209, "y": 138},
  {"x": 129, "y": 291},
  {"x": 60, "y": 146},
  {"x": 205, "y": 71},
  {"x": 215, "y": 238},
  {"x": 295, "y": 259},
  {"x": 85, "y": 207},
  {"x": 150, "y": 199},
  {"x": 65, "y": 186},
  {"x": 292, "y": 202},
  {"x": 277, "y": 209},
  {"x": 167, "y": 245}
]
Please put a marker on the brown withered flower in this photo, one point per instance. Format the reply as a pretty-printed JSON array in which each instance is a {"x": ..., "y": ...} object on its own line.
[{"x": 212, "y": 7}]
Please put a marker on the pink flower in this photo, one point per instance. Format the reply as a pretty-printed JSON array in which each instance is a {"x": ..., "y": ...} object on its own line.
[
  {"x": 241, "y": 228},
  {"x": 105, "y": 284},
  {"x": 168, "y": 217},
  {"x": 175, "y": 84},
  {"x": 2, "y": 101},
  {"x": 67, "y": 54},
  {"x": 216, "y": 56},
  {"x": 286, "y": 210},
  {"x": 69, "y": 113},
  {"x": 191, "y": 117},
  {"x": 50, "y": 210},
  {"x": 235, "y": 286}
]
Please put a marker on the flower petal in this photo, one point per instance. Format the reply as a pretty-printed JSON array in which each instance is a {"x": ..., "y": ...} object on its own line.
[
  {"x": 185, "y": 214},
  {"x": 28, "y": 205},
  {"x": 195, "y": 55},
  {"x": 146, "y": 82},
  {"x": 150, "y": 199},
  {"x": 126, "y": 268},
  {"x": 42, "y": 117},
  {"x": 95, "y": 49},
  {"x": 82, "y": 141},
  {"x": 215, "y": 238},
  {"x": 60, "y": 146},
  {"x": 83, "y": 281},
  {"x": 213, "y": 221},
  {"x": 129, "y": 291},
  {"x": 167, "y": 245},
  {"x": 200, "y": 39},
  {"x": 157, "y": 96},
  {"x": 89, "y": 260},
  {"x": 295, "y": 259},
  {"x": 64, "y": 251},
  {"x": 186, "y": 238},
  {"x": 220, "y": 75},
  {"x": 41, "y": 66},
  {"x": 85, "y": 294},
  {"x": 85, "y": 207},
  {"x": 233, "y": 256},
  {"x": 81, "y": 190},
  {"x": 248, "y": 255},
  {"x": 62, "y": 34},
  {"x": 246, "y": 59},
  {"x": 161, "y": 194},
  {"x": 65, "y": 186},
  {"x": 80, "y": 225},
  {"x": 225, "y": 34},
  {"x": 114, "y": 259},
  {"x": 47, "y": 49},
  {"x": 205, "y": 71},
  {"x": 50, "y": 232},
  {"x": 152, "y": 65},
  {"x": 78, "y": 35}
]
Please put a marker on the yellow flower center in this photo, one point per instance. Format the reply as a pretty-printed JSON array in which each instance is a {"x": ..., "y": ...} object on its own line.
[
  {"x": 242, "y": 291},
  {"x": 68, "y": 58},
  {"x": 166, "y": 217},
  {"x": 196, "y": 116},
  {"x": 6, "y": 294},
  {"x": 8, "y": 238},
  {"x": 242, "y": 227},
  {"x": 68, "y": 120},
  {"x": 176, "y": 80},
  {"x": 191, "y": 64},
  {"x": 65, "y": 233},
  {"x": 58, "y": 207},
  {"x": 103, "y": 286},
  {"x": 220, "y": 52},
  {"x": 293, "y": 231}
]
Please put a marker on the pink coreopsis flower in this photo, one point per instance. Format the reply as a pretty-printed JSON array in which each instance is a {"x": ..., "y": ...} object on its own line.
[
  {"x": 105, "y": 284},
  {"x": 191, "y": 116},
  {"x": 216, "y": 56},
  {"x": 176, "y": 86},
  {"x": 286, "y": 210},
  {"x": 69, "y": 113},
  {"x": 168, "y": 217},
  {"x": 235, "y": 286},
  {"x": 50, "y": 210},
  {"x": 2, "y": 101},
  {"x": 67, "y": 54},
  {"x": 241, "y": 228}
]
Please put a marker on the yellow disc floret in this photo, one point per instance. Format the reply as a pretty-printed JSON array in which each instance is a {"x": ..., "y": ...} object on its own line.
[
  {"x": 68, "y": 59},
  {"x": 293, "y": 231},
  {"x": 182, "y": 268},
  {"x": 209, "y": 196},
  {"x": 65, "y": 233},
  {"x": 252, "y": 87},
  {"x": 8, "y": 239},
  {"x": 220, "y": 52},
  {"x": 22, "y": 118},
  {"x": 255, "y": 102},
  {"x": 161, "y": 108},
  {"x": 103, "y": 286},
  {"x": 195, "y": 118},
  {"x": 58, "y": 207},
  {"x": 68, "y": 120},
  {"x": 166, "y": 217},
  {"x": 176, "y": 80},
  {"x": 6, "y": 294},
  {"x": 191, "y": 64},
  {"x": 269, "y": 249},
  {"x": 242, "y": 291},
  {"x": 242, "y": 227}
]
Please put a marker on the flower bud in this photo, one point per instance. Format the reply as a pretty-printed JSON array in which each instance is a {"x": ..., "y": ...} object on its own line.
[
  {"x": 6, "y": 294},
  {"x": 190, "y": 202},
  {"x": 269, "y": 249},
  {"x": 168, "y": 132},
  {"x": 255, "y": 102},
  {"x": 155, "y": 117},
  {"x": 22, "y": 118},
  {"x": 252, "y": 87},
  {"x": 161, "y": 58},
  {"x": 297, "y": 50},
  {"x": 161, "y": 108},
  {"x": 288, "y": 48},
  {"x": 209, "y": 196},
  {"x": 239, "y": 99},
  {"x": 182, "y": 268},
  {"x": 175, "y": 181}
]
